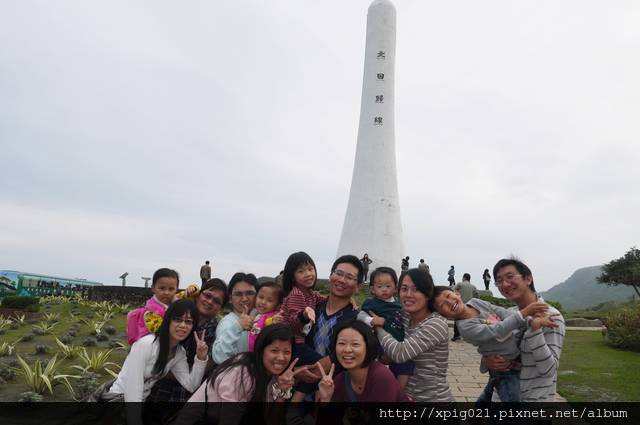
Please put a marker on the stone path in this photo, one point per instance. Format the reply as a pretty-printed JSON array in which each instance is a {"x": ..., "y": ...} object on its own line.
[{"x": 464, "y": 375}]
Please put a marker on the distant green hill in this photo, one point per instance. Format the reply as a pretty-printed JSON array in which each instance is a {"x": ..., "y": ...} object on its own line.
[{"x": 582, "y": 291}]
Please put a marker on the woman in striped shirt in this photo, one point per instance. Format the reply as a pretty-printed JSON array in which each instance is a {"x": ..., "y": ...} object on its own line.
[{"x": 426, "y": 340}]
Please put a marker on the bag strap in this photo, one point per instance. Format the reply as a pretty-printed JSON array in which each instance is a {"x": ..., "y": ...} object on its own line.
[
  {"x": 347, "y": 386},
  {"x": 206, "y": 400}
]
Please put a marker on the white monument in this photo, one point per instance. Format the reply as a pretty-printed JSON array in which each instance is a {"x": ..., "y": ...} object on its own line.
[{"x": 372, "y": 223}]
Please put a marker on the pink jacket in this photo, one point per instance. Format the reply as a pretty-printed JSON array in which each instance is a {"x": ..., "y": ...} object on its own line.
[
  {"x": 261, "y": 322},
  {"x": 136, "y": 327}
]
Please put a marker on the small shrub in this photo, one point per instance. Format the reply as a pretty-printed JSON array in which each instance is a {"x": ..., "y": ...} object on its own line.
[
  {"x": 27, "y": 337},
  {"x": 110, "y": 329},
  {"x": 42, "y": 349},
  {"x": 13, "y": 362},
  {"x": 102, "y": 337},
  {"x": 66, "y": 339},
  {"x": 557, "y": 305},
  {"x": 19, "y": 303},
  {"x": 623, "y": 329},
  {"x": 89, "y": 342},
  {"x": 87, "y": 384},
  {"x": 7, "y": 373},
  {"x": 30, "y": 397}
]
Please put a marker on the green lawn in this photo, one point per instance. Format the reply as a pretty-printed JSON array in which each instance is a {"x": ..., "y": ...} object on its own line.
[{"x": 590, "y": 370}]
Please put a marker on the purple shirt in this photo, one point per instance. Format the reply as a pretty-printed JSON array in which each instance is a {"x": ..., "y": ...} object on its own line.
[{"x": 380, "y": 386}]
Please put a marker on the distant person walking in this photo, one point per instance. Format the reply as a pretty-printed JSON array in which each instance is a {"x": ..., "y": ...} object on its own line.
[
  {"x": 466, "y": 291},
  {"x": 205, "y": 272},
  {"x": 365, "y": 265},
  {"x": 486, "y": 277},
  {"x": 452, "y": 276},
  {"x": 423, "y": 266}
]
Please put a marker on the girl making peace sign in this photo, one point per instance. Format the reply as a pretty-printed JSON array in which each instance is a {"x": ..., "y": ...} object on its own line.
[
  {"x": 266, "y": 374},
  {"x": 154, "y": 355}
]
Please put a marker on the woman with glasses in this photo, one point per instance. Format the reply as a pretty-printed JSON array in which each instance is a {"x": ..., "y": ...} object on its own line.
[
  {"x": 426, "y": 340},
  {"x": 209, "y": 302},
  {"x": 155, "y": 355},
  {"x": 232, "y": 335}
]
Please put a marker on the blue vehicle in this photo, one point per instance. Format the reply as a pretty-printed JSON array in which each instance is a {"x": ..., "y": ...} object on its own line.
[{"x": 36, "y": 285}]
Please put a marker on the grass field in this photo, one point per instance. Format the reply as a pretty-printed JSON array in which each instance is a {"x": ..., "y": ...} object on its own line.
[{"x": 590, "y": 370}]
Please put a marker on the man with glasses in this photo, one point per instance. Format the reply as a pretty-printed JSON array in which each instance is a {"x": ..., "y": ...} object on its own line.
[
  {"x": 540, "y": 348},
  {"x": 346, "y": 277}
]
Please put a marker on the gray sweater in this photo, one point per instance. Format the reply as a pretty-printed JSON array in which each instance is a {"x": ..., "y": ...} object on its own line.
[{"x": 492, "y": 330}]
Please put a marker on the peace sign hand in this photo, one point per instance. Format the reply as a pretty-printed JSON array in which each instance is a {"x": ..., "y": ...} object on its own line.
[
  {"x": 287, "y": 378},
  {"x": 325, "y": 386},
  {"x": 202, "y": 349}
]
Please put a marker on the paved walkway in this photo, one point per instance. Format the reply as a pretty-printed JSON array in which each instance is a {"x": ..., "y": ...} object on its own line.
[{"x": 464, "y": 375}]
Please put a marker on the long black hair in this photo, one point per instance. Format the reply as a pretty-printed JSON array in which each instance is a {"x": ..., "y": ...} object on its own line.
[
  {"x": 251, "y": 362},
  {"x": 177, "y": 309}
]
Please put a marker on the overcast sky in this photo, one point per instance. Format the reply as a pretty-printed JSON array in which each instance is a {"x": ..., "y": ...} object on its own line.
[{"x": 155, "y": 134}]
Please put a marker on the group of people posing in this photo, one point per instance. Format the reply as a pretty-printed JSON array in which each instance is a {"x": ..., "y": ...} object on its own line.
[{"x": 290, "y": 343}]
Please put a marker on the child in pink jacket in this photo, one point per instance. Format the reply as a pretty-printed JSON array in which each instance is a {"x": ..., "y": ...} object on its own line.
[{"x": 145, "y": 320}]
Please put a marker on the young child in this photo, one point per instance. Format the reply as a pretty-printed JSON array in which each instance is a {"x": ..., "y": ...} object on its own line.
[
  {"x": 491, "y": 328},
  {"x": 383, "y": 286},
  {"x": 268, "y": 301},
  {"x": 145, "y": 320},
  {"x": 300, "y": 301}
]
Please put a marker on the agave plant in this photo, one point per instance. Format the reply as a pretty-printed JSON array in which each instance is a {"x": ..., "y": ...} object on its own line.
[
  {"x": 78, "y": 298},
  {"x": 69, "y": 351},
  {"x": 45, "y": 327},
  {"x": 5, "y": 323},
  {"x": 95, "y": 325},
  {"x": 7, "y": 349},
  {"x": 105, "y": 316},
  {"x": 51, "y": 317},
  {"x": 21, "y": 319},
  {"x": 105, "y": 307},
  {"x": 39, "y": 378},
  {"x": 96, "y": 361}
]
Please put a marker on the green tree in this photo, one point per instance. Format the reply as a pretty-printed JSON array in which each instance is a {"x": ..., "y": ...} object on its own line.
[{"x": 623, "y": 271}]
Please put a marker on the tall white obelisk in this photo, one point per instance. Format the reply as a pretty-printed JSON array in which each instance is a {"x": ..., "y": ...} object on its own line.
[{"x": 372, "y": 223}]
